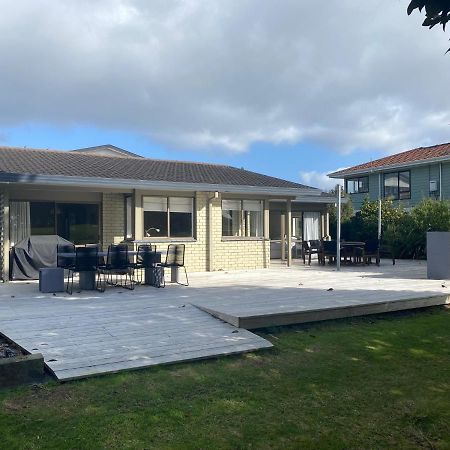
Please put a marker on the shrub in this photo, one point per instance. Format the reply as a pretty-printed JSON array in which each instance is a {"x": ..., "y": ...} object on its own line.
[
  {"x": 408, "y": 236},
  {"x": 402, "y": 231}
]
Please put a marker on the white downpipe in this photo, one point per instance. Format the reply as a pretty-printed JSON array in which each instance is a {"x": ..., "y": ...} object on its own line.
[
  {"x": 440, "y": 181},
  {"x": 338, "y": 231},
  {"x": 211, "y": 231}
]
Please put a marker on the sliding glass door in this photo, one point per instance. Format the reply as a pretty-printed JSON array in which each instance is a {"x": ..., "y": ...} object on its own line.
[{"x": 76, "y": 222}]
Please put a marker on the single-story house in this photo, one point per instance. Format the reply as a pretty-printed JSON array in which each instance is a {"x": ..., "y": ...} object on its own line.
[
  {"x": 229, "y": 218},
  {"x": 406, "y": 177}
]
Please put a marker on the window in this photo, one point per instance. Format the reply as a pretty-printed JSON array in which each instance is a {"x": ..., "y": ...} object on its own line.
[
  {"x": 180, "y": 218},
  {"x": 242, "y": 218},
  {"x": 231, "y": 218},
  {"x": 397, "y": 185},
  {"x": 168, "y": 216},
  {"x": 42, "y": 218},
  {"x": 297, "y": 226},
  {"x": 404, "y": 185},
  {"x": 253, "y": 217},
  {"x": 128, "y": 217},
  {"x": 357, "y": 185},
  {"x": 76, "y": 222}
]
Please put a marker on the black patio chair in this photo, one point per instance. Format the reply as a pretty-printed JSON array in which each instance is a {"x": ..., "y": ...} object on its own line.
[
  {"x": 62, "y": 261},
  {"x": 145, "y": 259},
  {"x": 86, "y": 260},
  {"x": 118, "y": 264},
  {"x": 310, "y": 248},
  {"x": 329, "y": 250},
  {"x": 175, "y": 259},
  {"x": 316, "y": 247},
  {"x": 372, "y": 250},
  {"x": 347, "y": 254},
  {"x": 101, "y": 259}
]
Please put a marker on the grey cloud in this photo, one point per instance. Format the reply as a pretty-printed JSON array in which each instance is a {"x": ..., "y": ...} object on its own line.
[{"x": 215, "y": 74}]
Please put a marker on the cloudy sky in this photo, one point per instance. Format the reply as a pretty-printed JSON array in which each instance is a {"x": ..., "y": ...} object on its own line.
[{"x": 288, "y": 87}]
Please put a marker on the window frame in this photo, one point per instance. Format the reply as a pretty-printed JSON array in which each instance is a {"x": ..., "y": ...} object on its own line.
[
  {"x": 358, "y": 181},
  {"x": 168, "y": 236},
  {"x": 242, "y": 225},
  {"x": 399, "y": 193}
]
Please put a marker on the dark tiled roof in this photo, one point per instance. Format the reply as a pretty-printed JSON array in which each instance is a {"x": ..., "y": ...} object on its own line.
[
  {"x": 21, "y": 161},
  {"x": 410, "y": 156}
]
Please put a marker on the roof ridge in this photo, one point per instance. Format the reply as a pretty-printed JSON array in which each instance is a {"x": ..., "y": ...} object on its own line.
[
  {"x": 140, "y": 158},
  {"x": 408, "y": 151}
]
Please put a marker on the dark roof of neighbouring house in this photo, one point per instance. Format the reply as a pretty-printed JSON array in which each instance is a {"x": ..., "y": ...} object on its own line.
[
  {"x": 399, "y": 159},
  {"x": 107, "y": 150},
  {"x": 20, "y": 161}
]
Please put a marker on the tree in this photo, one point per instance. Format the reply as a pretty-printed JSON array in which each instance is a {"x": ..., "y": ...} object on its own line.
[
  {"x": 437, "y": 12},
  {"x": 346, "y": 213}
]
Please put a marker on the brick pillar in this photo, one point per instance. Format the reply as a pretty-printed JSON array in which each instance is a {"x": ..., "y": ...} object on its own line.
[{"x": 113, "y": 219}]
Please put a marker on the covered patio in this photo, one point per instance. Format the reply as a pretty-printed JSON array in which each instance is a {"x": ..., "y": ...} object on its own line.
[{"x": 89, "y": 334}]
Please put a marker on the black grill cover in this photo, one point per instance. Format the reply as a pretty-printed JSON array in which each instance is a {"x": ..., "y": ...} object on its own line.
[{"x": 32, "y": 254}]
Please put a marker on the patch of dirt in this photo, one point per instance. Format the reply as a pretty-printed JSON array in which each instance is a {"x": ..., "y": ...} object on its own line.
[{"x": 8, "y": 350}]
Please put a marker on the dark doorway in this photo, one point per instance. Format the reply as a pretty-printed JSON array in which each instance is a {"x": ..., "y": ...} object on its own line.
[{"x": 78, "y": 222}]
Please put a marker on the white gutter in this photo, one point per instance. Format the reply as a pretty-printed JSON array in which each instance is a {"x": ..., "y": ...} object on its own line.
[
  {"x": 59, "y": 180},
  {"x": 389, "y": 167},
  {"x": 315, "y": 199}
]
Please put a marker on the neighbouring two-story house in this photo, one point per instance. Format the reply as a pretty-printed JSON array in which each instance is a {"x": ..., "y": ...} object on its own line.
[{"x": 406, "y": 177}]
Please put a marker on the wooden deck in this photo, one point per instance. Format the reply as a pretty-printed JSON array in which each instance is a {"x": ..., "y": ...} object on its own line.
[
  {"x": 282, "y": 296},
  {"x": 92, "y": 333},
  {"x": 86, "y": 335}
]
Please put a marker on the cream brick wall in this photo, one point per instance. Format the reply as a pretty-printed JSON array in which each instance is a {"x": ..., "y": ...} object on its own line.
[
  {"x": 113, "y": 218},
  {"x": 227, "y": 254}
]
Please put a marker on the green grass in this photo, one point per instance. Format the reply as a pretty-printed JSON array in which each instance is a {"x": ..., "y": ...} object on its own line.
[{"x": 379, "y": 382}]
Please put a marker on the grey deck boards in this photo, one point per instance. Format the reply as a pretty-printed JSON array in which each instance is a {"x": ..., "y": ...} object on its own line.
[
  {"x": 91, "y": 333},
  {"x": 283, "y": 296}
]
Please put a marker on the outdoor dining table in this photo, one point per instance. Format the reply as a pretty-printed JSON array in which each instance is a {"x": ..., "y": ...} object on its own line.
[{"x": 87, "y": 279}]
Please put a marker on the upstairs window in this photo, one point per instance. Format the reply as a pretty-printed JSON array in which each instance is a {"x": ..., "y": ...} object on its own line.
[
  {"x": 357, "y": 185},
  {"x": 242, "y": 218},
  {"x": 168, "y": 216},
  {"x": 397, "y": 185}
]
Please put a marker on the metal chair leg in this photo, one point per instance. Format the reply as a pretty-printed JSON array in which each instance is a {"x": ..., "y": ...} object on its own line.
[{"x": 71, "y": 284}]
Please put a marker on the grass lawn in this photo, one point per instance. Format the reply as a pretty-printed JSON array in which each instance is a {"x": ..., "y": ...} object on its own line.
[{"x": 377, "y": 382}]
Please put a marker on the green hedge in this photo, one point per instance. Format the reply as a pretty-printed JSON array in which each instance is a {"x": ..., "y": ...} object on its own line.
[{"x": 404, "y": 232}]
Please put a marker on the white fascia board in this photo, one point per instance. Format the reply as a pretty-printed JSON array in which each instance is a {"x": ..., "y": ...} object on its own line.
[
  {"x": 57, "y": 180},
  {"x": 308, "y": 199},
  {"x": 390, "y": 167}
]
